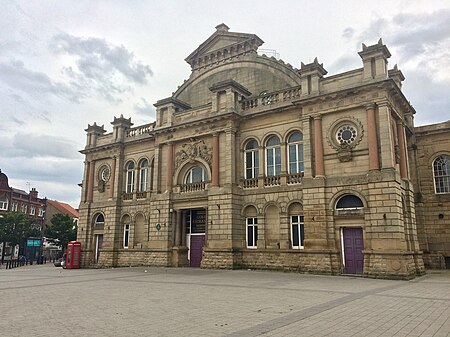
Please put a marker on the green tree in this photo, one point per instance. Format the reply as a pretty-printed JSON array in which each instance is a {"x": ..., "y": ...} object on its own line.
[
  {"x": 62, "y": 230},
  {"x": 15, "y": 228}
]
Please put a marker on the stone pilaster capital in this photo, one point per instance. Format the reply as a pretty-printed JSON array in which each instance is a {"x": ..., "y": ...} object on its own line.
[
  {"x": 317, "y": 116},
  {"x": 370, "y": 106}
]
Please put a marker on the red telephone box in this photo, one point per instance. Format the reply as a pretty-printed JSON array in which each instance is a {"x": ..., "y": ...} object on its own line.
[{"x": 73, "y": 255}]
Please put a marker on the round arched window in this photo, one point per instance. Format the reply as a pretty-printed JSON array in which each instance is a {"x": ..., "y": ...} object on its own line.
[
  {"x": 195, "y": 174},
  {"x": 349, "y": 201},
  {"x": 99, "y": 220}
]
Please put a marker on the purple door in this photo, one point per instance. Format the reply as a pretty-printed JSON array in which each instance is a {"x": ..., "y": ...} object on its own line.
[
  {"x": 353, "y": 247},
  {"x": 196, "y": 250}
]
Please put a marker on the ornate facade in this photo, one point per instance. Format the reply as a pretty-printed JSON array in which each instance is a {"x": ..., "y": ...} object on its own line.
[{"x": 253, "y": 163}]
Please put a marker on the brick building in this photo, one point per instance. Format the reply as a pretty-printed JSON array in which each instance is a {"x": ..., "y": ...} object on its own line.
[
  {"x": 57, "y": 207},
  {"x": 16, "y": 200},
  {"x": 252, "y": 163}
]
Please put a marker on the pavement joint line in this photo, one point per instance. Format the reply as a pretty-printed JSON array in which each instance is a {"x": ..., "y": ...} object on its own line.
[
  {"x": 245, "y": 286},
  {"x": 276, "y": 323},
  {"x": 415, "y": 297}
]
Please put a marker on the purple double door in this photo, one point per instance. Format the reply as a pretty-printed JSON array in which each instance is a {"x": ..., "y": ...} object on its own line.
[
  {"x": 196, "y": 250},
  {"x": 353, "y": 250}
]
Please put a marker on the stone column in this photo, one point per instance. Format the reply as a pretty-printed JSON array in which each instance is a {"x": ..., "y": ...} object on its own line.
[
  {"x": 215, "y": 161},
  {"x": 113, "y": 178},
  {"x": 318, "y": 146},
  {"x": 284, "y": 163},
  {"x": 261, "y": 167},
  {"x": 374, "y": 161},
  {"x": 386, "y": 137},
  {"x": 402, "y": 150},
  {"x": 85, "y": 181},
  {"x": 157, "y": 163},
  {"x": 178, "y": 229},
  {"x": 183, "y": 228},
  {"x": 90, "y": 192},
  {"x": 169, "y": 178}
]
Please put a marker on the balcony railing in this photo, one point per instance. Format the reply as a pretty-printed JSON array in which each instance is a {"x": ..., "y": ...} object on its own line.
[
  {"x": 192, "y": 187},
  {"x": 128, "y": 196},
  {"x": 250, "y": 183},
  {"x": 272, "y": 180},
  {"x": 141, "y": 195},
  {"x": 294, "y": 178}
]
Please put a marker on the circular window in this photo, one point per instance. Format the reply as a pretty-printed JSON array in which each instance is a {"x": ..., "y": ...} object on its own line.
[
  {"x": 105, "y": 173},
  {"x": 346, "y": 134}
]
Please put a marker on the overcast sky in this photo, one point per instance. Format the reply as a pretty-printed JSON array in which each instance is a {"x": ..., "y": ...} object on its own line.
[{"x": 64, "y": 64}]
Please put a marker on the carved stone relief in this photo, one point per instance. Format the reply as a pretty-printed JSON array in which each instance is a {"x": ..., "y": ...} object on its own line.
[{"x": 192, "y": 150}]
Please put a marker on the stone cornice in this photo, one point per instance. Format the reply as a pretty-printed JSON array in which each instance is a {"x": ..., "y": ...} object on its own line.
[{"x": 387, "y": 84}]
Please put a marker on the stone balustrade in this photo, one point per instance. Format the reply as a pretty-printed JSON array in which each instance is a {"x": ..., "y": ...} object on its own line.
[
  {"x": 294, "y": 178},
  {"x": 275, "y": 97},
  {"x": 250, "y": 183},
  {"x": 128, "y": 196},
  {"x": 192, "y": 187},
  {"x": 141, "y": 130},
  {"x": 272, "y": 180},
  {"x": 141, "y": 195}
]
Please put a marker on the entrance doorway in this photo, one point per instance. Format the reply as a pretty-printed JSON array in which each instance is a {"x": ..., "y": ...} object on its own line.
[
  {"x": 353, "y": 246},
  {"x": 195, "y": 235},
  {"x": 98, "y": 246}
]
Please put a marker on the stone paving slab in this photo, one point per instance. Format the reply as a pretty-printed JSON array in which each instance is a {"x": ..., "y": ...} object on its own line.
[{"x": 44, "y": 300}]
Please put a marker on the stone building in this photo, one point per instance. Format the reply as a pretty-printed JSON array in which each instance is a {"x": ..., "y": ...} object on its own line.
[
  {"x": 252, "y": 163},
  {"x": 430, "y": 173}
]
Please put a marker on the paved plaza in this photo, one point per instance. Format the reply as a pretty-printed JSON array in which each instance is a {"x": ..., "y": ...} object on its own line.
[{"x": 42, "y": 300}]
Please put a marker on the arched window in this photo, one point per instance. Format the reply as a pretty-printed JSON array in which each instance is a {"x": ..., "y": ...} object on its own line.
[
  {"x": 4, "y": 203},
  {"x": 195, "y": 174},
  {"x": 441, "y": 173},
  {"x": 130, "y": 178},
  {"x": 295, "y": 152},
  {"x": 251, "y": 223},
  {"x": 143, "y": 175},
  {"x": 349, "y": 201},
  {"x": 297, "y": 226},
  {"x": 251, "y": 159},
  {"x": 273, "y": 156},
  {"x": 99, "y": 220},
  {"x": 126, "y": 235}
]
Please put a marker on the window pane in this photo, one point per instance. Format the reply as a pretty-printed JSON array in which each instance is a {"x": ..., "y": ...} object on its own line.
[
  {"x": 274, "y": 140},
  {"x": 126, "y": 235},
  {"x": 256, "y": 235},
  {"x": 295, "y": 238},
  {"x": 302, "y": 234},
  {"x": 300, "y": 157},
  {"x": 197, "y": 174},
  {"x": 349, "y": 201},
  {"x": 250, "y": 236},
  {"x": 251, "y": 144},
  {"x": 296, "y": 137},
  {"x": 277, "y": 161}
]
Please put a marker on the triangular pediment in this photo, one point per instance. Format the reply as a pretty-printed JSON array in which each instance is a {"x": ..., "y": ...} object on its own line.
[{"x": 224, "y": 42}]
